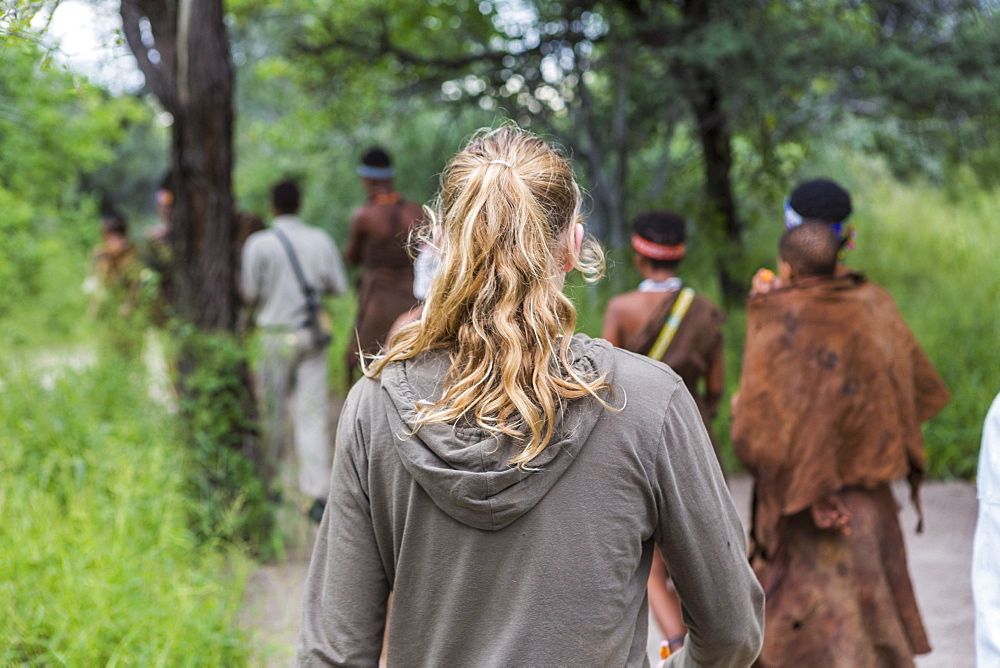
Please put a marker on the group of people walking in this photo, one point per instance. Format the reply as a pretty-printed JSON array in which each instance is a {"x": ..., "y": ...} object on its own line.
[
  {"x": 285, "y": 271},
  {"x": 833, "y": 390},
  {"x": 521, "y": 489}
]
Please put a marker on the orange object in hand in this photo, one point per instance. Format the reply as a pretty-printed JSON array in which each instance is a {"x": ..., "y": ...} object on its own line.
[{"x": 765, "y": 274}]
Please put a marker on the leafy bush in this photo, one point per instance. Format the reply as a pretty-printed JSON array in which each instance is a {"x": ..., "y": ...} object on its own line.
[
  {"x": 218, "y": 412},
  {"x": 99, "y": 565}
]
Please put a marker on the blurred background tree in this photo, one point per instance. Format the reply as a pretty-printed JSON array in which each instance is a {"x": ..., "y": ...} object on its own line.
[{"x": 631, "y": 86}]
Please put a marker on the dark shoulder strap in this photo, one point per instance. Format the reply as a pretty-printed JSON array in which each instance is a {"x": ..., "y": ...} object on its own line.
[
  {"x": 294, "y": 259},
  {"x": 643, "y": 340}
]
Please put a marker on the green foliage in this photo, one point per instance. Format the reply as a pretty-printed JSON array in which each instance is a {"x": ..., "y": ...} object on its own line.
[
  {"x": 941, "y": 269},
  {"x": 19, "y": 250},
  {"x": 54, "y": 129},
  {"x": 218, "y": 412},
  {"x": 56, "y": 277},
  {"x": 619, "y": 83},
  {"x": 99, "y": 566},
  {"x": 287, "y": 132}
]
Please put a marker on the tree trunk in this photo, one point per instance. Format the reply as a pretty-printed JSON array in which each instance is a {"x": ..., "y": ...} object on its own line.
[
  {"x": 704, "y": 94},
  {"x": 204, "y": 229},
  {"x": 619, "y": 129},
  {"x": 186, "y": 65},
  {"x": 182, "y": 48}
]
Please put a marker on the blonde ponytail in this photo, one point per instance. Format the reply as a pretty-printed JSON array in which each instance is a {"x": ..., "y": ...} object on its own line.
[{"x": 505, "y": 214}]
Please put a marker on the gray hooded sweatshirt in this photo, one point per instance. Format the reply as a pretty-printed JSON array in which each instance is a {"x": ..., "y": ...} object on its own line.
[{"x": 491, "y": 565}]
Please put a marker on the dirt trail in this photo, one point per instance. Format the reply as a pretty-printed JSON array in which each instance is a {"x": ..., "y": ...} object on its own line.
[{"x": 939, "y": 564}]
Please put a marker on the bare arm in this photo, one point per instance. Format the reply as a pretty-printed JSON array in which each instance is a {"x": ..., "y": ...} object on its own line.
[
  {"x": 335, "y": 278},
  {"x": 715, "y": 380}
]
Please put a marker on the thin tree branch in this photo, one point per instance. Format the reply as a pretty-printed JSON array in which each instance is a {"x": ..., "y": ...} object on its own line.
[{"x": 155, "y": 74}]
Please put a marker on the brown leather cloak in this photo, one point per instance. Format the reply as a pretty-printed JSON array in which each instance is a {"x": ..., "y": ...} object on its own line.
[{"x": 833, "y": 391}]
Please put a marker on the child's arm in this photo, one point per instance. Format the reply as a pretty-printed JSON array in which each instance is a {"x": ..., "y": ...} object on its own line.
[{"x": 765, "y": 281}]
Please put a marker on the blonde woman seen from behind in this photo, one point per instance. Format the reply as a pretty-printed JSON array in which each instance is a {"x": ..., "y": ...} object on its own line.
[{"x": 507, "y": 480}]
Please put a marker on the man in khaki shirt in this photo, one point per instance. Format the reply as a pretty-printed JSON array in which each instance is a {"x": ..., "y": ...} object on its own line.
[{"x": 292, "y": 365}]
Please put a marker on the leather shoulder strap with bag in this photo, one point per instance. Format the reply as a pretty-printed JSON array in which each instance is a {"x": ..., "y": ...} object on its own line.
[
  {"x": 669, "y": 330},
  {"x": 314, "y": 307}
]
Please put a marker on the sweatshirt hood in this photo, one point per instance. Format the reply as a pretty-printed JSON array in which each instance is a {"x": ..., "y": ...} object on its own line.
[{"x": 464, "y": 468}]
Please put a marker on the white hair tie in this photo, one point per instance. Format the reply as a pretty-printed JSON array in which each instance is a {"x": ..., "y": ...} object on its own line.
[{"x": 500, "y": 162}]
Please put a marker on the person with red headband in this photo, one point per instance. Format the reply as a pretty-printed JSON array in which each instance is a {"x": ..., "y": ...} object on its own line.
[{"x": 668, "y": 321}]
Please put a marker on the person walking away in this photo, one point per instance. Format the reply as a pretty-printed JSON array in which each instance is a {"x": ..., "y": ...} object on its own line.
[
  {"x": 669, "y": 322},
  {"x": 284, "y": 270},
  {"x": 115, "y": 286},
  {"x": 507, "y": 480},
  {"x": 378, "y": 242},
  {"x": 833, "y": 390}
]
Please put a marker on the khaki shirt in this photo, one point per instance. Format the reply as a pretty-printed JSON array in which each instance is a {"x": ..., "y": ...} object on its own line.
[{"x": 269, "y": 281}]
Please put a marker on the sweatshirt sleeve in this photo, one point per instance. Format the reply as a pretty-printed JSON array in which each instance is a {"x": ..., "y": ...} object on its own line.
[
  {"x": 702, "y": 541},
  {"x": 344, "y": 609}
]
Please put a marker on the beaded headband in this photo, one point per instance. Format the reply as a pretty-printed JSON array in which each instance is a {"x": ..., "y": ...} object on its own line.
[{"x": 655, "y": 251}]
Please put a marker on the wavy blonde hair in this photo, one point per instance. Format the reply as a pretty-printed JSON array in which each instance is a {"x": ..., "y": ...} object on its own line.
[{"x": 504, "y": 222}]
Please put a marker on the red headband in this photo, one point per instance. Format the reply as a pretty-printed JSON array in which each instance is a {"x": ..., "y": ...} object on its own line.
[{"x": 656, "y": 251}]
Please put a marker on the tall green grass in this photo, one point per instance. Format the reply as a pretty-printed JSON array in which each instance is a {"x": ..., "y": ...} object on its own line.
[
  {"x": 98, "y": 565},
  {"x": 938, "y": 256}
]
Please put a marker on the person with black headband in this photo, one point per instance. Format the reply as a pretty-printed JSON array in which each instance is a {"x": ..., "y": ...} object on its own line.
[
  {"x": 833, "y": 391},
  {"x": 378, "y": 239},
  {"x": 667, "y": 321}
]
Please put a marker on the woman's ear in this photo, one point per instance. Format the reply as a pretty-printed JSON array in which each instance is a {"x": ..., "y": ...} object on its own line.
[{"x": 577, "y": 247}]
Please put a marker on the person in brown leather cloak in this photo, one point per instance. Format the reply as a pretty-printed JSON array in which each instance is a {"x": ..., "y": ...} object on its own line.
[{"x": 833, "y": 391}]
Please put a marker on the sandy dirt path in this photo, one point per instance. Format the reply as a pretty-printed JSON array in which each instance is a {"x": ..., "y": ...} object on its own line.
[{"x": 939, "y": 564}]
